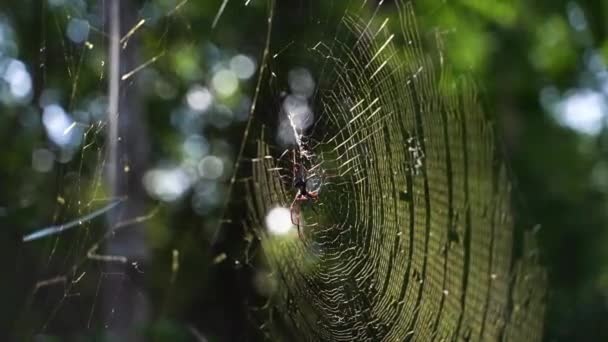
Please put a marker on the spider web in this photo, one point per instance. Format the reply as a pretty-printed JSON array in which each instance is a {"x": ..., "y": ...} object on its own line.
[
  {"x": 413, "y": 236},
  {"x": 91, "y": 257},
  {"x": 94, "y": 259}
]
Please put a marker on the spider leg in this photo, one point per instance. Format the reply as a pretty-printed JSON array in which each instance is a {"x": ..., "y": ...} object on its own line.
[
  {"x": 311, "y": 201},
  {"x": 291, "y": 211},
  {"x": 294, "y": 166},
  {"x": 296, "y": 222},
  {"x": 300, "y": 233}
]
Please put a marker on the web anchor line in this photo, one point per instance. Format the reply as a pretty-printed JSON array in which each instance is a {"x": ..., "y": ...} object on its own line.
[{"x": 58, "y": 229}]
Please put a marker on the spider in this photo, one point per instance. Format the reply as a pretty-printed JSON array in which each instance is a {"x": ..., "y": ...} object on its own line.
[{"x": 300, "y": 182}]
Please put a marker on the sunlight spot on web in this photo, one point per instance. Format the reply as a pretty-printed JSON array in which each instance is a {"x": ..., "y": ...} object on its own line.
[
  {"x": 583, "y": 110},
  {"x": 278, "y": 221},
  {"x": 243, "y": 66},
  {"x": 18, "y": 79},
  {"x": 211, "y": 167},
  {"x": 199, "y": 98},
  {"x": 167, "y": 184},
  {"x": 78, "y": 30},
  {"x": 225, "y": 82},
  {"x": 42, "y": 160}
]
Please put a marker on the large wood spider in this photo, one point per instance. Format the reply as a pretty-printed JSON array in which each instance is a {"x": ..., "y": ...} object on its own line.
[{"x": 300, "y": 182}]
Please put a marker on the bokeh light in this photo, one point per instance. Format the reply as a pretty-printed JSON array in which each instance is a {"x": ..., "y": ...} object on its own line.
[
  {"x": 195, "y": 147},
  {"x": 583, "y": 110},
  {"x": 168, "y": 184},
  {"x": 278, "y": 221},
  {"x": 18, "y": 79},
  {"x": 225, "y": 82},
  {"x": 58, "y": 125},
  {"x": 242, "y": 66},
  {"x": 211, "y": 167},
  {"x": 42, "y": 160},
  {"x": 297, "y": 116},
  {"x": 199, "y": 98},
  {"x": 78, "y": 30},
  {"x": 301, "y": 82}
]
